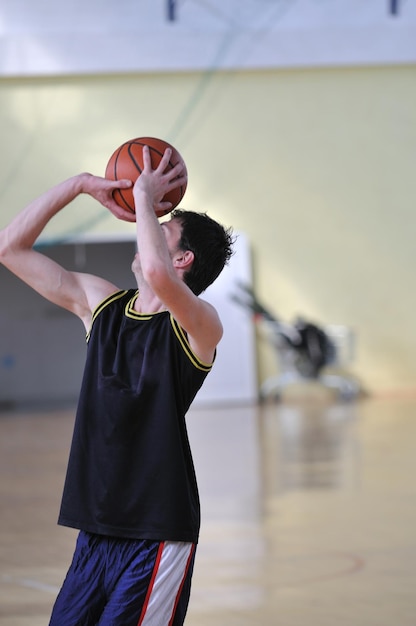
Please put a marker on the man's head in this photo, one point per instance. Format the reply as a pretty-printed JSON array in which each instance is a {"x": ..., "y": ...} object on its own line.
[{"x": 211, "y": 244}]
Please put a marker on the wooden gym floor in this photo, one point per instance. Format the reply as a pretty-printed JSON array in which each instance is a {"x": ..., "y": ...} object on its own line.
[{"x": 309, "y": 514}]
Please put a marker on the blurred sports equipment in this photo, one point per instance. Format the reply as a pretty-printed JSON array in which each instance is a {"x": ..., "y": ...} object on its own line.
[{"x": 305, "y": 352}]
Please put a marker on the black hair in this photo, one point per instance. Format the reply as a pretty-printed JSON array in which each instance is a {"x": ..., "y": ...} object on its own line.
[{"x": 211, "y": 244}]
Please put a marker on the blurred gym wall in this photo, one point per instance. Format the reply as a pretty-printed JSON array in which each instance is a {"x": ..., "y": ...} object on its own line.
[{"x": 316, "y": 166}]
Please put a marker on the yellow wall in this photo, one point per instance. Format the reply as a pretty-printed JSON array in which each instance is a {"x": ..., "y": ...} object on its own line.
[{"x": 317, "y": 166}]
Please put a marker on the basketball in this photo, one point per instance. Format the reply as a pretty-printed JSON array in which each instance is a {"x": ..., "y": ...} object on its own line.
[{"x": 127, "y": 162}]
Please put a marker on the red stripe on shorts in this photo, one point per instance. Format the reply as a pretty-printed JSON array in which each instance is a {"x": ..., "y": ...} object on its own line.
[{"x": 152, "y": 582}]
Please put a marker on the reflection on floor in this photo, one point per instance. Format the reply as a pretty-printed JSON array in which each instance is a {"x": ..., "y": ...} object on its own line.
[{"x": 309, "y": 513}]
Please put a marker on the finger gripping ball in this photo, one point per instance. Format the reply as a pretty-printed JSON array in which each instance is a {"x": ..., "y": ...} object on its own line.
[{"x": 127, "y": 162}]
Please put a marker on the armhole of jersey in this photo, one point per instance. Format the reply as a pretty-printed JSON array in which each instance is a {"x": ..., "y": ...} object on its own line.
[
  {"x": 101, "y": 306},
  {"x": 183, "y": 340}
]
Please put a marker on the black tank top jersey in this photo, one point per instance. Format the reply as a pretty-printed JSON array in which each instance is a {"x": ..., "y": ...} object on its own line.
[{"x": 130, "y": 471}]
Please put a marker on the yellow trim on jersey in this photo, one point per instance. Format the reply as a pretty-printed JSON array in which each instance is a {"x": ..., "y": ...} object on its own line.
[
  {"x": 114, "y": 296},
  {"x": 183, "y": 340},
  {"x": 130, "y": 312}
]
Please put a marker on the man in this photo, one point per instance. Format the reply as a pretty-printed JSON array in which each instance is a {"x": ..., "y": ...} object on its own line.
[{"x": 130, "y": 486}]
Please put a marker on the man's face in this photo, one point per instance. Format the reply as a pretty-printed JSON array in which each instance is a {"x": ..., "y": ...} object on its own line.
[{"x": 172, "y": 230}]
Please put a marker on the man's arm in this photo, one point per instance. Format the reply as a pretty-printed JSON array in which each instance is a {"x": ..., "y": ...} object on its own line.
[
  {"x": 79, "y": 293},
  {"x": 199, "y": 319}
]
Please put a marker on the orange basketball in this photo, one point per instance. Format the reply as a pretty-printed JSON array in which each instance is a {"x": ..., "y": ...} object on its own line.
[{"x": 127, "y": 162}]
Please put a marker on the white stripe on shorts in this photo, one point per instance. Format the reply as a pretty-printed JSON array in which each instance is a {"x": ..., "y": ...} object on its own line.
[{"x": 170, "y": 574}]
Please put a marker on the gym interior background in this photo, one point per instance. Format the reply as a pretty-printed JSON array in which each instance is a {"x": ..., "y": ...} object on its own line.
[
  {"x": 312, "y": 156},
  {"x": 297, "y": 121}
]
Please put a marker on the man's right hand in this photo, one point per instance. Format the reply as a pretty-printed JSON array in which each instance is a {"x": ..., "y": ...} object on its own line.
[{"x": 101, "y": 189}]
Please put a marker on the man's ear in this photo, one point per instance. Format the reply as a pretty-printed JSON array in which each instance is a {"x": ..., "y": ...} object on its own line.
[{"x": 184, "y": 259}]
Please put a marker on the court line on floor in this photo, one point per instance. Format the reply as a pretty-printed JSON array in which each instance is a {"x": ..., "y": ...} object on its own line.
[
  {"x": 357, "y": 564},
  {"x": 29, "y": 583}
]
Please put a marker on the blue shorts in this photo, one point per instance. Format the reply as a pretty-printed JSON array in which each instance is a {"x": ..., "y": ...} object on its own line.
[{"x": 125, "y": 582}]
